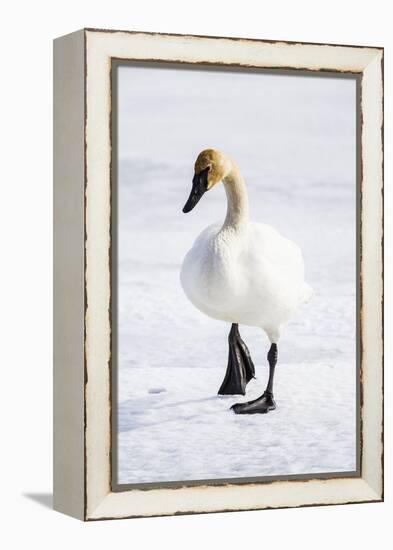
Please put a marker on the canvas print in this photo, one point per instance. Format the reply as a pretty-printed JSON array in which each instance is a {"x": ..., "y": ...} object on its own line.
[{"x": 234, "y": 274}]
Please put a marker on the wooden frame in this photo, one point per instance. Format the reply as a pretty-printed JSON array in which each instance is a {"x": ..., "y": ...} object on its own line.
[{"x": 82, "y": 252}]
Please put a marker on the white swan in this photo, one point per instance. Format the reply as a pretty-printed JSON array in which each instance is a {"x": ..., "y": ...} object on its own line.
[{"x": 242, "y": 273}]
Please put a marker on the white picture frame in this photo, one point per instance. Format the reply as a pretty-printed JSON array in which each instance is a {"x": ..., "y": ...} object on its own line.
[{"x": 82, "y": 268}]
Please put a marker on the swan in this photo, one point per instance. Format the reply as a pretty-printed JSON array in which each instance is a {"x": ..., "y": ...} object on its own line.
[{"x": 242, "y": 273}]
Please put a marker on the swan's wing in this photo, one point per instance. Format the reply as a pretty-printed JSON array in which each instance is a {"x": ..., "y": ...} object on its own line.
[
  {"x": 278, "y": 262},
  {"x": 267, "y": 243}
]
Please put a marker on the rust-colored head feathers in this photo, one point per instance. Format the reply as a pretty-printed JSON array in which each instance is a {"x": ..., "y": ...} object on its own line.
[
  {"x": 211, "y": 166},
  {"x": 217, "y": 164}
]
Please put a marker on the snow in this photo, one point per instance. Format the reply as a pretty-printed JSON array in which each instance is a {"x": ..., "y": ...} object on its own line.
[{"x": 294, "y": 140}]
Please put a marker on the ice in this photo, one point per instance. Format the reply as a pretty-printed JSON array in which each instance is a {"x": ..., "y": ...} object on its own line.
[{"x": 294, "y": 141}]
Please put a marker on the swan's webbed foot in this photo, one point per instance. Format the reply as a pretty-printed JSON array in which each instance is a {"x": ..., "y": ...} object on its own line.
[
  {"x": 265, "y": 402},
  {"x": 261, "y": 405},
  {"x": 240, "y": 369}
]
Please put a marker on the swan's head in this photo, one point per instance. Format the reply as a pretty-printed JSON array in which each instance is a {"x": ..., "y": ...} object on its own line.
[{"x": 211, "y": 166}]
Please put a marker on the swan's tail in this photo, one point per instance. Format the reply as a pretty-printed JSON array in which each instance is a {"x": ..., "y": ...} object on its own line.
[{"x": 308, "y": 293}]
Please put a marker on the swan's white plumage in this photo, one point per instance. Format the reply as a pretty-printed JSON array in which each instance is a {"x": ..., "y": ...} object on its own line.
[
  {"x": 244, "y": 272},
  {"x": 255, "y": 277}
]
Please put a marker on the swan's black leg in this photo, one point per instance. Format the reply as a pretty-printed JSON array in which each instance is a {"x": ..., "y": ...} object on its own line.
[
  {"x": 246, "y": 357},
  {"x": 240, "y": 367},
  {"x": 265, "y": 402}
]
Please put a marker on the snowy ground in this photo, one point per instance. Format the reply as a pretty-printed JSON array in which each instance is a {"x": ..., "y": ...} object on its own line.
[{"x": 171, "y": 424}]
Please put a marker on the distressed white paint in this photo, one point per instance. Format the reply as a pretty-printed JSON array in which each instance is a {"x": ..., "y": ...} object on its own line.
[
  {"x": 371, "y": 269},
  {"x": 101, "y": 46}
]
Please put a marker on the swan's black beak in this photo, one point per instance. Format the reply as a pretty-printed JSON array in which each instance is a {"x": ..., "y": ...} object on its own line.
[{"x": 199, "y": 188}]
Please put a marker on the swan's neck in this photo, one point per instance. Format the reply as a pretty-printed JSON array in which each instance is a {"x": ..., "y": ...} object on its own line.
[{"x": 237, "y": 210}]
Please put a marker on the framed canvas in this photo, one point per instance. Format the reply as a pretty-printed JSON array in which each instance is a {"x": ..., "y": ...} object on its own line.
[{"x": 235, "y": 366}]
